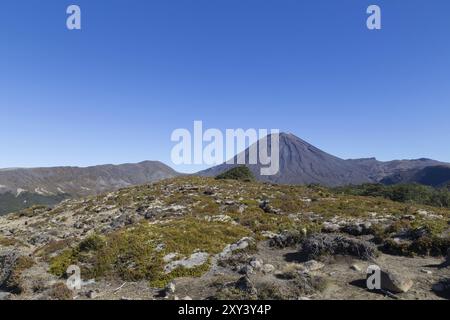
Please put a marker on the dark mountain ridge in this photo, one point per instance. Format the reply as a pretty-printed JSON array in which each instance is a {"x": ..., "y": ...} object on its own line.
[{"x": 303, "y": 163}]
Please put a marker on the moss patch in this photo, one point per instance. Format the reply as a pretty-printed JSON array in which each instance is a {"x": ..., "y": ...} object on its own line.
[{"x": 131, "y": 254}]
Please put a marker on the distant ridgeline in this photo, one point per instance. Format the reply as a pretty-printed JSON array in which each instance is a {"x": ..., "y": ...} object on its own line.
[
  {"x": 23, "y": 188},
  {"x": 10, "y": 202}
]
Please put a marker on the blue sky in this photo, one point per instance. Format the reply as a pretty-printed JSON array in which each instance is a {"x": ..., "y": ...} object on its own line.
[{"x": 114, "y": 91}]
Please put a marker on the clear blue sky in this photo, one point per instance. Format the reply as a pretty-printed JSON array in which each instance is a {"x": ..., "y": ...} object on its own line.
[{"x": 114, "y": 91}]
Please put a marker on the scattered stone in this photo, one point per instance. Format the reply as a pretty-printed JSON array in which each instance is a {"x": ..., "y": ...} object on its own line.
[
  {"x": 195, "y": 260},
  {"x": 312, "y": 265},
  {"x": 5, "y": 296},
  {"x": 422, "y": 212},
  {"x": 241, "y": 208},
  {"x": 269, "y": 234},
  {"x": 185, "y": 298},
  {"x": 8, "y": 260},
  {"x": 150, "y": 215},
  {"x": 268, "y": 268},
  {"x": 355, "y": 267},
  {"x": 244, "y": 284},
  {"x": 40, "y": 239},
  {"x": 330, "y": 227},
  {"x": 246, "y": 270},
  {"x": 170, "y": 288},
  {"x": 219, "y": 218},
  {"x": 92, "y": 294},
  {"x": 267, "y": 208},
  {"x": 426, "y": 271},
  {"x": 395, "y": 282},
  {"x": 169, "y": 257},
  {"x": 160, "y": 247},
  {"x": 240, "y": 245},
  {"x": 256, "y": 264},
  {"x": 78, "y": 225}
]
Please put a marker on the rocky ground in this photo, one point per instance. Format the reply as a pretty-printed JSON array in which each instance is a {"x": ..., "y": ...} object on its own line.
[{"x": 201, "y": 238}]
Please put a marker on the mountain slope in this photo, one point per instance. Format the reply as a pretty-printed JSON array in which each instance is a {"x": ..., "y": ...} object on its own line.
[
  {"x": 206, "y": 237},
  {"x": 302, "y": 163},
  {"x": 47, "y": 185},
  {"x": 378, "y": 170},
  {"x": 435, "y": 176}
]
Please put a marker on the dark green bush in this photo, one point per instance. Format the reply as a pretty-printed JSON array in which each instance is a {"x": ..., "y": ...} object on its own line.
[
  {"x": 405, "y": 193},
  {"x": 241, "y": 173}
]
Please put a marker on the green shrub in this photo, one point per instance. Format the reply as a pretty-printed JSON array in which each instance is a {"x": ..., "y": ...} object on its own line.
[
  {"x": 405, "y": 193},
  {"x": 241, "y": 173}
]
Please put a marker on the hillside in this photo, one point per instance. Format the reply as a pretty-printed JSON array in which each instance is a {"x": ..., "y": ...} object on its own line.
[
  {"x": 20, "y": 188},
  {"x": 224, "y": 239}
]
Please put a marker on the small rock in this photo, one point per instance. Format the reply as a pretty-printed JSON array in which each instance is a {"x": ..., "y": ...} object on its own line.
[
  {"x": 356, "y": 267},
  {"x": 312, "y": 265},
  {"x": 395, "y": 282},
  {"x": 240, "y": 245},
  {"x": 247, "y": 269},
  {"x": 160, "y": 247},
  {"x": 170, "y": 288},
  {"x": 169, "y": 257},
  {"x": 195, "y": 260},
  {"x": 422, "y": 212},
  {"x": 330, "y": 227},
  {"x": 5, "y": 296},
  {"x": 256, "y": 264},
  {"x": 241, "y": 208},
  {"x": 269, "y": 234},
  {"x": 268, "y": 268},
  {"x": 426, "y": 271},
  {"x": 265, "y": 205},
  {"x": 79, "y": 225},
  {"x": 92, "y": 294},
  {"x": 244, "y": 284},
  {"x": 149, "y": 215}
]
